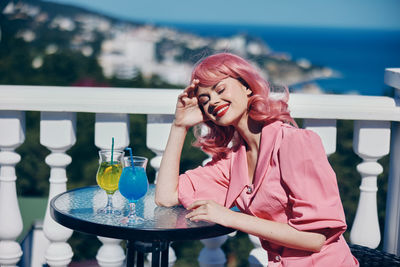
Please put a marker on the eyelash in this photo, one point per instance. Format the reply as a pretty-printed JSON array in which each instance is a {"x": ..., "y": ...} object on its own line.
[
  {"x": 203, "y": 103},
  {"x": 218, "y": 92}
]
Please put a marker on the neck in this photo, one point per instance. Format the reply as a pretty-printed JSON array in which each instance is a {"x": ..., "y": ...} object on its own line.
[{"x": 250, "y": 131}]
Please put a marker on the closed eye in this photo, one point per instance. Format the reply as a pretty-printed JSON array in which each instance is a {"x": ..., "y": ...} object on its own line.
[
  {"x": 220, "y": 91},
  {"x": 203, "y": 100}
]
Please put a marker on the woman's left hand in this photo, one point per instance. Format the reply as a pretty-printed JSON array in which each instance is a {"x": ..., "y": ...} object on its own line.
[{"x": 209, "y": 210}]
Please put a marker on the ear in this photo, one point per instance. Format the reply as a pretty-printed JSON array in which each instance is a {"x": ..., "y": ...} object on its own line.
[{"x": 249, "y": 92}]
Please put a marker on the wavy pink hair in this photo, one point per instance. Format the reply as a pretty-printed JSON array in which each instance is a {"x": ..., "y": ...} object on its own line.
[{"x": 261, "y": 106}]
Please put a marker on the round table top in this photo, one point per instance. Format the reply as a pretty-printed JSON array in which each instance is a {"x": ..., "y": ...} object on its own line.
[{"x": 77, "y": 209}]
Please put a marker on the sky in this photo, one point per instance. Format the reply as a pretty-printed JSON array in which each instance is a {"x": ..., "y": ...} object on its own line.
[{"x": 377, "y": 14}]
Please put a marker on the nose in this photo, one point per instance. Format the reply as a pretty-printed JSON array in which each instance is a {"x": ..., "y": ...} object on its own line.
[
  {"x": 213, "y": 102},
  {"x": 214, "y": 99}
]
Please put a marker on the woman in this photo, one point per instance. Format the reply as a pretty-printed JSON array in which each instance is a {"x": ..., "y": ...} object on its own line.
[{"x": 277, "y": 174}]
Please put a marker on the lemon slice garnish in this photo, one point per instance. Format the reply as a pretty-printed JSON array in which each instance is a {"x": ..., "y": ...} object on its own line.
[{"x": 108, "y": 170}]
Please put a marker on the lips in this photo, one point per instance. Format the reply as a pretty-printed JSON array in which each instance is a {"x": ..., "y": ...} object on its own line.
[{"x": 221, "y": 110}]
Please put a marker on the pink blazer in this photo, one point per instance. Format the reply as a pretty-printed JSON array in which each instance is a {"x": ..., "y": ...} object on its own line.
[{"x": 293, "y": 183}]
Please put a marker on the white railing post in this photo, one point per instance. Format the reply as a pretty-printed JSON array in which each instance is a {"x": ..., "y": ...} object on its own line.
[
  {"x": 371, "y": 142},
  {"x": 157, "y": 132},
  {"x": 108, "y": 126},
  {"x": 326, "y": 129},
  {"x": 258, "y": 256},
  {"x": 158, "y": 127},
  {"x": 58, "y": 134},
  {"x": 392, "y": 221},
  {"x": 12, "y": 135},
  {"x": 212, "y": 255}
]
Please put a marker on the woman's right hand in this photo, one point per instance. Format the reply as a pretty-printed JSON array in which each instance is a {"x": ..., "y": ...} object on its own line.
[{"x": 187, "y": 112}]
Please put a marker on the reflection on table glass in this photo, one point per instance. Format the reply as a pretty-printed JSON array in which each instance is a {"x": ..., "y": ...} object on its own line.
[{"x": 82, "y": 204}]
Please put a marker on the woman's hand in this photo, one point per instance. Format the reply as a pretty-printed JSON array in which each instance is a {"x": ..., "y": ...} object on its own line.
[
  {"x": 209, "y": 210},
  {"x": 187, "y": 112}
]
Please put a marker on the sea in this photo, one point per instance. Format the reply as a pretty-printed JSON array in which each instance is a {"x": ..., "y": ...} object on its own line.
[{"x": 359, "y": 56}]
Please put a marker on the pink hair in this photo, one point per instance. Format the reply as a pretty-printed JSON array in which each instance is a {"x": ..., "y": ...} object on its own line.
[{"x": 261, "y": 106}]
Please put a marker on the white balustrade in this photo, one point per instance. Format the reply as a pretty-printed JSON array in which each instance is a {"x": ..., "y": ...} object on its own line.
[
  {"x": 319, "y": 111},
  {"x": 158, "y": 127},
  {"x": 392, "y": 226},
  {"x": 110, "y": 126},
  {"x": 58, "y": 134},
  {"x": 110, "y": 253},
  {"x": 371, "y": 141},
  {"x": 326, "y": 129},
  {"x": 258, "y": 256},
  {"x": 12, "y": 135},
  {"x": 212, "y": 255}
]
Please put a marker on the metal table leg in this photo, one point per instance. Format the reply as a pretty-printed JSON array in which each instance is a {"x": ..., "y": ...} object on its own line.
[
  {"x": 155, "y": 255},
  {"x": 130, "y": 255},
  {"x": 164, "y": 256},
  {"x": 140, "y": 259},
  {"x": 156, "y": 248}
]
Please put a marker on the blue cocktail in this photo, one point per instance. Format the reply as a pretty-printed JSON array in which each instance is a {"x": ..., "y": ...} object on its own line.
[{"x": 133, "y": 185}]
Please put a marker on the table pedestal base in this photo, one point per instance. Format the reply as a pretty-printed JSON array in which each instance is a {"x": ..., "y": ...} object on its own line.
[{"x": 138, "y": 249}]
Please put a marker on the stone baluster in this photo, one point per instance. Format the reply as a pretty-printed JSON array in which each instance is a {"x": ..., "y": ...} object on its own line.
[
  {"x": 158, "y": 127},
  {"x": 392, "y": 220},
  {"x": 212, "y": 254},
  {"x": 58, "y": 134},
  {"x": 108, "y": 126},
  {"x": 258, "y": 256},
  {"x": 12, "y": 135},
  {"x": 326, "y": 129},
  {"x": 371, "y": 142},
  {"x": 110, "y": 254}
]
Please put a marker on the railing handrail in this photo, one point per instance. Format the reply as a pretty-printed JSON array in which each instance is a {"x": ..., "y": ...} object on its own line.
[{"x": 162, "y": 101}]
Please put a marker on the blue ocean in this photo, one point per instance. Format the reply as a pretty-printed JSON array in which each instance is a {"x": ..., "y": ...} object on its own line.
[{"x": 359, "y": 55}]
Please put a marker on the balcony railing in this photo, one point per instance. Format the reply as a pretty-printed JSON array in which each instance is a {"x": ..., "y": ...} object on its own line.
[{"x": 376, "y": 134}]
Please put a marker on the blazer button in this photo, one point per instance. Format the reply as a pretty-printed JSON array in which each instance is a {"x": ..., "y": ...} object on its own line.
[
  {"x": 249, "y": 190},
  {"x": 277, "y": 258}
]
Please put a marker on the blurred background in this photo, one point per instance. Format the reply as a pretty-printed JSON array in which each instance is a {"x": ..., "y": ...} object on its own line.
[{"x": 318, "y": 47}]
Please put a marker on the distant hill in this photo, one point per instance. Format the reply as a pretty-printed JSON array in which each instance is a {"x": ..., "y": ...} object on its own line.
[{"x": 126, "y": 50}]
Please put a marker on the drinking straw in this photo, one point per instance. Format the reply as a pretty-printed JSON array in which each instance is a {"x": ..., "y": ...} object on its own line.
[
  {"x": 112, "y": 151},
  {"x": 131, "y": 154}
]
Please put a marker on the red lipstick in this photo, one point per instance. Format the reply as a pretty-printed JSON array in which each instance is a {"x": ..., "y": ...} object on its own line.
[{"x": 221, "y": 110}]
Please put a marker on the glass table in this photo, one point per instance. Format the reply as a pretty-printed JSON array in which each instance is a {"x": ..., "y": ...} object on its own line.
[{"x": 77, "y": 209}]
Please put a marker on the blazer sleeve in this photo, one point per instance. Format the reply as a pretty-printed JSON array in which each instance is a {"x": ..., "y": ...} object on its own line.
[
  {"x": 205, "y": 183},
  {"x": 314, "y": 200}
]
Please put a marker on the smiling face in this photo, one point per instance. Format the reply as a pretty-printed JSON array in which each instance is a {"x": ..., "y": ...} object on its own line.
[{"x": 224, "y": 103}]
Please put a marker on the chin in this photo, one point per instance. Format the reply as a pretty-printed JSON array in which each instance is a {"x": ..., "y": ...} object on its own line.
[{"x": 223, "y": 122}]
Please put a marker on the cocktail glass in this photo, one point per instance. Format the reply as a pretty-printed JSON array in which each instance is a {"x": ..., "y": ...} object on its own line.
[
  {"x": 108, "y": 174},
  {"x": 133, "y": 185}
]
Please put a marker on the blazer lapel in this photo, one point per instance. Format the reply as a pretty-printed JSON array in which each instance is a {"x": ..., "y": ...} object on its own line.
[
  {"x": 239, "y": 175},
  {"x": 269, "y": 142}
]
